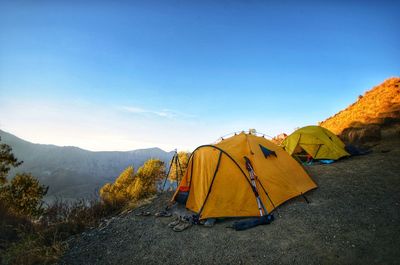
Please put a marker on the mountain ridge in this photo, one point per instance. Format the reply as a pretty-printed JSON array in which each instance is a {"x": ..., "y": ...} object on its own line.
[
  {"x": 64, "y": 167},
  {"x": 2, "y": 132}
]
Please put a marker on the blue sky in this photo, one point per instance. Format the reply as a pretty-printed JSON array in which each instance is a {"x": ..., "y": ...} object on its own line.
[{"x": 122, "y": 75}]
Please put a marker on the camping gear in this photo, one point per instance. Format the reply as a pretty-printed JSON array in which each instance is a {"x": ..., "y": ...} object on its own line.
[
  {"x": 175, "y": 222},
  {"x": 219, "y": 185},
  {"x": 163, "y": 214},
  {"x": 326, "y": 161},
  {"x": 182, "y": 195},
  {"x": 246, "y": 224},
  {"x": 316, "y": 141},
  {"x": 263, "y": 212},
  {"x": 253, "y": 177},
  {"x": 185, "y": 222},
  {"x": 356, "y": 151},
  {"x": 174, "y": 162}
]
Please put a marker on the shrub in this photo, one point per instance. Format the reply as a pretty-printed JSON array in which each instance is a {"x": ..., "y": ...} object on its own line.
[
  {"x": 130, "y": 187},
  {"x": 117, "y": 192},
  {"x": 42, "y": 241},
  {"x": 24, "y": 194},
  {"x": 7, "y": 161},
  {"x": 11, "y": 226}
]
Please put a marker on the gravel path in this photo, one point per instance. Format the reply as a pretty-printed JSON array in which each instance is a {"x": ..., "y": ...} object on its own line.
[{"x": 352, "y": 218}]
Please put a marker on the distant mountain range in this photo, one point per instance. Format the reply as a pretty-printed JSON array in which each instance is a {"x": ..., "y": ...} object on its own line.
[{"x": 73, "y": 173}]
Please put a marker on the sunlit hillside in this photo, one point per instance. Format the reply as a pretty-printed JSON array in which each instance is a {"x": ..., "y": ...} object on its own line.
[{"x": 377, "y": 108}]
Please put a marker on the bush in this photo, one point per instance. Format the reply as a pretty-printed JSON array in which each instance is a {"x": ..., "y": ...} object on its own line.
[
  {"x": 31, "y": 234},
  {"x": 31, "y": 251},
  {"x": 130, "y": 187},
  {"x": 42, "y": 241},
  {"x": 7, "y": 161},
  {"x": 24, "y": 194},
  {"x": 146, "y": 177},
  {"x": 117, "y": 193},
  {"x": 11, "y": 226}
]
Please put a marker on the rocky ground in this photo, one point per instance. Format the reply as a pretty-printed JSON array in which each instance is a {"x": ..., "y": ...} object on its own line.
[{"x": 352, "y": 218}]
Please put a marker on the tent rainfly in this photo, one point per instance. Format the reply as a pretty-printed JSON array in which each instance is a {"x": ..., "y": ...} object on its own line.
[
  {"x": 217, "y": 183},
  {"x": 318, "y": 142}
]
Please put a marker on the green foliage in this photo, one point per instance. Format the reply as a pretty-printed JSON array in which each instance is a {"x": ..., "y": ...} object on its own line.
[
  {"x": 24, "y": 194},
  {"x": 131, "y": 187},
  {"x": 7, "y": 160}
]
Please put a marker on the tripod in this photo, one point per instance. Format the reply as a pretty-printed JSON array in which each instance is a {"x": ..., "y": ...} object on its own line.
[{"x": 174, "y": 162}]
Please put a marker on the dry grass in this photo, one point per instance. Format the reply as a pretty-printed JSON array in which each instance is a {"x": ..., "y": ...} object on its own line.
[
  {"x": 363, "y": 120},
  {"x": 25, "y": 241},
  {"x": 42, "y": 241}
]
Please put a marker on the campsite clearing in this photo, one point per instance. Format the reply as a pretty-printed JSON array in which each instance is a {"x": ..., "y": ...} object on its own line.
[{"x": 353, "y": 217}]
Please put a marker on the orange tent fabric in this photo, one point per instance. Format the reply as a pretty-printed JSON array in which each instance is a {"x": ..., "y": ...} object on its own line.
[{"x": 219, "y": 184}]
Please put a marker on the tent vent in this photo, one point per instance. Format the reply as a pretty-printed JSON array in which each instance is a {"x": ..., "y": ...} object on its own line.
[{"x": 266, "y": 151}]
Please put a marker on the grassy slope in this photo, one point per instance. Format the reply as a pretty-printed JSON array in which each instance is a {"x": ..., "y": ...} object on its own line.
[{"x": 377, "y": 106}]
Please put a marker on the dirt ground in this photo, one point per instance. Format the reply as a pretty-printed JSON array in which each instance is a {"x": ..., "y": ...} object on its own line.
[{"x": 353, "y": 218}]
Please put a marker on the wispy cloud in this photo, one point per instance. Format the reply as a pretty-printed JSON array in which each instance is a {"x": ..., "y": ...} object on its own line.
[
  {"x": 100, "y": 127},
  {"x": 164, "y": 113}
]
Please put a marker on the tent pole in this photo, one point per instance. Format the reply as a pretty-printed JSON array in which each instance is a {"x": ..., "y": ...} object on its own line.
[
  {"x": 319, "y": 146},
  {"x": 269, "y": 198},
  {"x": 305, "y": 198},
  {"x": 176, "y": 170},
  {"x": 180, "y": 167}
]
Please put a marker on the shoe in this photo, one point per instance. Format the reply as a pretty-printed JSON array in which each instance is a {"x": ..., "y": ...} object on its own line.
[
  {"x": 143, "y": 213},
  {"x": 174, "y": 223},
  {"x": 163, "y": 214},
  {"x": 184, "y": 224}
]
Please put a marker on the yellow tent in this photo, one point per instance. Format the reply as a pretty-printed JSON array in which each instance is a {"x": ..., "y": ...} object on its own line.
[
  {"x": 218, "y": 184},
  {"x": 317, "y": 141}
]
